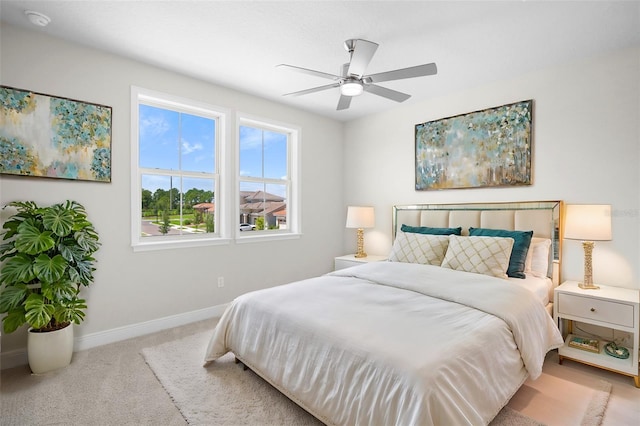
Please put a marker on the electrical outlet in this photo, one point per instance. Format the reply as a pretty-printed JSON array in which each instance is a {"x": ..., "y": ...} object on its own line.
[{"x": 220, "y": 282}]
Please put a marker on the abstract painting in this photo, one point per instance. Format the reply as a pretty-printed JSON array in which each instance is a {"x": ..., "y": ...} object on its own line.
[
  {"x": 54, "y": 137},
  {"x": 485, "y": 148}
]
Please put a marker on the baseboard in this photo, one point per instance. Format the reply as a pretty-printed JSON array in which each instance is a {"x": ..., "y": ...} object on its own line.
[
  {"x": 14, "y": 358},
  {"x": 140, "y": 329},
  {"x": 19, "y": 356}
]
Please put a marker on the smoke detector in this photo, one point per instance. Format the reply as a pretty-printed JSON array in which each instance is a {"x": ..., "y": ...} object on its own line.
[{"x": 37, "y": 18}]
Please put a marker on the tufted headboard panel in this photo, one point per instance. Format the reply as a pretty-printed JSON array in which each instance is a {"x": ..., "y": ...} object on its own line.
[{"x": 544, "y": 218}]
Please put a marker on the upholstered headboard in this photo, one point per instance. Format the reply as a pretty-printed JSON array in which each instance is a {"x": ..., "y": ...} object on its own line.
[{"x": 544, "y": 218}]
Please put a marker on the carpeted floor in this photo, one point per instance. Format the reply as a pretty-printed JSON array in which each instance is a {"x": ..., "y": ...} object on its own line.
[
  {"x": 112, "y": 385},
  {"x": 225, "y": 394},
  {"x": 103, "y": 386}
]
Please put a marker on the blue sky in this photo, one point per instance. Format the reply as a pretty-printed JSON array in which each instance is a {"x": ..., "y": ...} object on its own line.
[
  {"x": 256, "y": 144},
  {"x": 166, "y": 144}
]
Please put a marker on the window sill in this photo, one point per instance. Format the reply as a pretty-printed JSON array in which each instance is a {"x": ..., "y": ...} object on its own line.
[
  {"x": 243, "y": 238},
  {"x": 174, "y": 244}
]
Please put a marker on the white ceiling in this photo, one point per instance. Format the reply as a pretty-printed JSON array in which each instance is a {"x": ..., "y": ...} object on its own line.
[{"x": 238, "y": 43}]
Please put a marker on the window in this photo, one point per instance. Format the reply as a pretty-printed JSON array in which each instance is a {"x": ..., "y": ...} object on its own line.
[
  {"x": 176, "y": 152},
  {"x": 267, "y": 179}
]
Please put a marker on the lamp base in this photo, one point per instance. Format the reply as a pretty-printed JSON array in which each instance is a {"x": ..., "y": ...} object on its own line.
[
  {"x": 360, "y": 250},
  {"x": 588, "y": 286}
]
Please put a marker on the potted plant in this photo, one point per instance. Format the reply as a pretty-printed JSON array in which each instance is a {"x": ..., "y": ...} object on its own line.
[{"x": 47, "y": 254}]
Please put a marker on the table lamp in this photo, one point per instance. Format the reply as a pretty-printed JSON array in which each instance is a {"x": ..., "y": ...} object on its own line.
[
  {"x": 589, "y": 223},
  {"x": 360, "y": 217}
]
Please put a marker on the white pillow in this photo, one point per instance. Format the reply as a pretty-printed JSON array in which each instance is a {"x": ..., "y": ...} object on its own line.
[
  {"x": 427, "y": 249},
  {"x": 480, "y": 255},
  {"x": 537, "y": 262}
]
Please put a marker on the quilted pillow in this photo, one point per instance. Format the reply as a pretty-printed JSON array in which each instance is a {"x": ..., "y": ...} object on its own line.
[
  {"x": 480, "y": 255},
  {"x": 522, "y": 240},
  {"x": 537, "y": 263},
  {"x": 432, "y": 231},
  {"x": 419, "y": 248}
]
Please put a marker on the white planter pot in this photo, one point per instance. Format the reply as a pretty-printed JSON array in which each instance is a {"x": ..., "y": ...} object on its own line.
[{"x": 51, "y": 350}]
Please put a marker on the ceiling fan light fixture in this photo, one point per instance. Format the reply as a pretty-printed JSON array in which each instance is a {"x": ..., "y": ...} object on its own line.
[{"x": 351, "y": 88}]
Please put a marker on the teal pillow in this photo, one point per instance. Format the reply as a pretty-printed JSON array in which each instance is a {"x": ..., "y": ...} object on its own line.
[
  {"x": 521, "y": 242},
  {"x": 431, "y": 231}
]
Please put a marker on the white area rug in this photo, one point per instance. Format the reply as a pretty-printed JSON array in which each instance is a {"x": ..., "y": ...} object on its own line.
[{"x": 225, "y": 394}]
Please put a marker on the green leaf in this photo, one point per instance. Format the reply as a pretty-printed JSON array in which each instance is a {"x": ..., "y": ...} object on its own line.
[
  {"x": 31, "y": 240},
  {"x": 6, "y": 249},
  {"x": 12, "y": 297},
  {"x": 87, "y": 240},
  {"x": 49, "y": 269},
  {"x": 71, "y": 312},
  {"x": 70, "y": 250},
  {"x": 38, "y": 312},
  {"x": 18, "y": 269},
  {"x": 11, "y": 227},
  {"x": 29, "y": 207},
  {"x": 59, "y": 220},
  {"x": 82, "y": 273},
  {"x": 14, "y": 320},
  {"x": 60, "y": 290}
]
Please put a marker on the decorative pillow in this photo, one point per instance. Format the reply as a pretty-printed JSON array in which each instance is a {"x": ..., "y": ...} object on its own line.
[
  {"x": 432, "y": 231},
  {"x": 537, "y": 263},
  {"x": 481, "y": 255},
  {"x": 522, "y": 240},
  {"x": 419, "y": 248}
]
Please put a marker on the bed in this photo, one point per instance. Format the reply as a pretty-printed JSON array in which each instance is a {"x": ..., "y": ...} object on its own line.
[{"x": 440, "y": 334}]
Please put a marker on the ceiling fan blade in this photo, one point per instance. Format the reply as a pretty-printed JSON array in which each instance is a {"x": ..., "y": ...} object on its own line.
[
  {"x": 386, "y": 93},
  {"x": 313, "y": 90},
  {"x": 312, "y": 72},
  {"x": 363, "y": 51},
  {"x": 411, "y": 72},
  {"x": 344, "y": 102}
]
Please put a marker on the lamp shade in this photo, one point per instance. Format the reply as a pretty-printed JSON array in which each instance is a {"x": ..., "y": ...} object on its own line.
[
  {"x": 588, "y": 222},
  {"x": 360, "y": 217}
]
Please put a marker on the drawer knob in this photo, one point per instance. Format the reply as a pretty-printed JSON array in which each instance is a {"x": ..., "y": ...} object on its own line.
[{"x": 593, "y": 309}]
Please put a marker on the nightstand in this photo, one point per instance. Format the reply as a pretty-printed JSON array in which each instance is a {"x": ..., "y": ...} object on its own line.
[
  {"x": 611, "y": 307},
  {"x": 349, "y": 260}
]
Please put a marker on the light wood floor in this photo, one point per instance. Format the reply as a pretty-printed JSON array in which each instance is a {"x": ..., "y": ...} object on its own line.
[{"x": 624, "y": 402}]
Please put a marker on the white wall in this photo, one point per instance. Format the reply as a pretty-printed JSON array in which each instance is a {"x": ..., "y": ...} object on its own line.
[
  {"x": 586, "y": 149},
  {"x": 130, "y": 287}
]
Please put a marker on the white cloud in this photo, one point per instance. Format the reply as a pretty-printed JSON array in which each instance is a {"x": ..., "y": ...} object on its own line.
[
  {"x": 188, "y": 148},
  {"x": 153, "y": 126}
]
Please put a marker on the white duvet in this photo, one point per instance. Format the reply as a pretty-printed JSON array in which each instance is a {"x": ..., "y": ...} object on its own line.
[{"x": 390, "y": 343}]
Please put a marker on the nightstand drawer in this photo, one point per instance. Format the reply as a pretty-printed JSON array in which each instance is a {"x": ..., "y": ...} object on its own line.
[{"x": 596, "y": 309}]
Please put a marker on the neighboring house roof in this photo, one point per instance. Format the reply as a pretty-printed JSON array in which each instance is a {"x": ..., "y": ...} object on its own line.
[
  {"x": 205, "y": 207},
  {"x": 260, "y": 196},
  {"x": 273, "y": 208},
  {"x": 261, "y": 202}
]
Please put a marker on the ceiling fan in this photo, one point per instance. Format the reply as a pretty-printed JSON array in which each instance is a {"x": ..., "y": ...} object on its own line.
[{"x": 354, "y": 82}]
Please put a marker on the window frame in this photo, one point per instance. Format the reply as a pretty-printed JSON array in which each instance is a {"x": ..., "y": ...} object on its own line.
[
  {"x": 293, "y": 208},
  {"x": 174, "y": 103}
]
